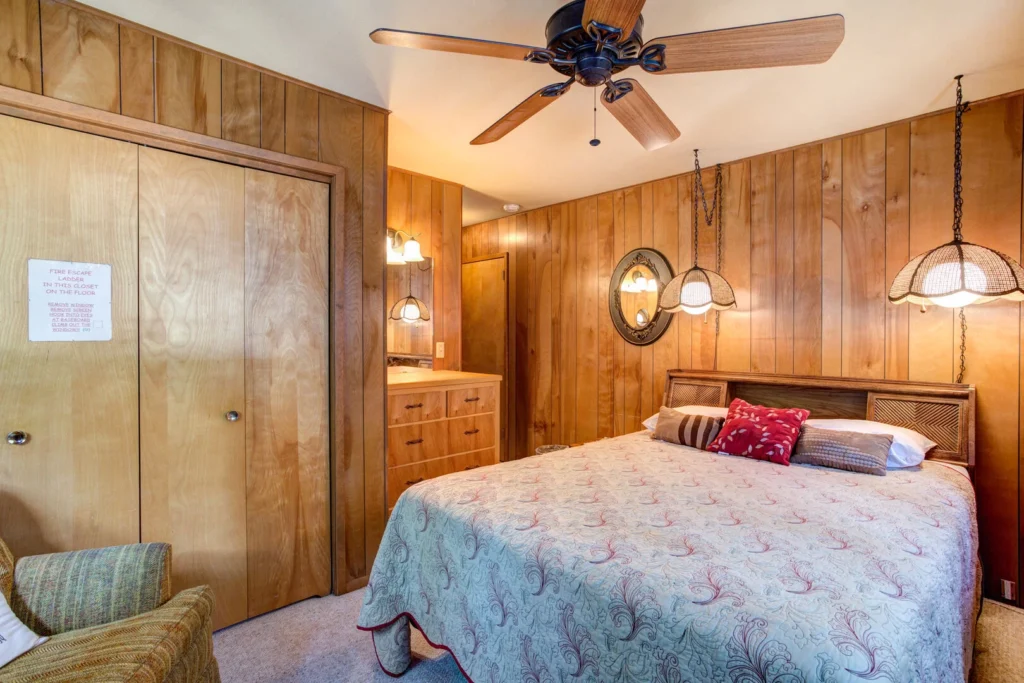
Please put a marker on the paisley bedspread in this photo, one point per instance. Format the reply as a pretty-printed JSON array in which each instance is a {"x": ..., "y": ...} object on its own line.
[{"x": 630, "y": 559}]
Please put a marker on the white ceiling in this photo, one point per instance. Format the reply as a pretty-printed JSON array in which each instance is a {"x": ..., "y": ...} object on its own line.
[{"x": 897, "y": 60}]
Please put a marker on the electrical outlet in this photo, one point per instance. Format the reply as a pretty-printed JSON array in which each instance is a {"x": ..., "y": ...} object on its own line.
[
  {"x": 1009, "y": 591},
  {"x": 440, "y": 350}
]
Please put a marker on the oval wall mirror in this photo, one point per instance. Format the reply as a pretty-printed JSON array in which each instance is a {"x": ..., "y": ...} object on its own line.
[{"x": 633, "y": 293}]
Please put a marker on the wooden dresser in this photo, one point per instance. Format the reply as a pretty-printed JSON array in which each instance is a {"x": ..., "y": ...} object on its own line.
[{"x": 439, "y": 422}]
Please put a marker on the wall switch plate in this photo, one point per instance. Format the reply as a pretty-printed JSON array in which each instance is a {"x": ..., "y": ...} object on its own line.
[
  {"x": 1009, "y": 590},
  {"x": 440, "y": 350}
]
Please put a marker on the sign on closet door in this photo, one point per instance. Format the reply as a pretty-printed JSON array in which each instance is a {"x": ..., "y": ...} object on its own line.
[{"x": 68, "y": 301}]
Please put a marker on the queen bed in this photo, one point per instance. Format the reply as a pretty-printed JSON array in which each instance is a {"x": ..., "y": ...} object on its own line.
[{"x": 630, "y": 559}]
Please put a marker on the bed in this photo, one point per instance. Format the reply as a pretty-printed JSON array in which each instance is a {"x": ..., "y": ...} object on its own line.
[{"x": 629, "y": 559}]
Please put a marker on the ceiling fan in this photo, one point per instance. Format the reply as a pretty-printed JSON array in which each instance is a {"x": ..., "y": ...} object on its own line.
[{"x": 591, "y": 41}]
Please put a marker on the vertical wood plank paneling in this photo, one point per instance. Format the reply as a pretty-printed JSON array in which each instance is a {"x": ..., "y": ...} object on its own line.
[
  {"x": 137, "y": 74},
  {"x": 666, "y": 240},
  {"x": 632, "y": 360},
  {"x": 20, "y": 52},
  {"x": 301, "y": 121},
  {"x": 556, "y": 215},
  {"x": 452, "y": 276},
  {"x": 532, "y": 369},
  {"x": 187, "y": 88},
  {"x": 832, "y": 258},
  {"x": 272, "y": 101},
  {"x": 993, "y": 136},
  {"x": 522, "y": 326},
  {"x": 807, "y": 260},
  {"x": 931, "y": 215},
  {"x": 437, "y": 247},
  {"x": 864, "y": 255},
  {"x": 540, "y": 327},
  {"x": 605, "y": 237},
  {"x": 784, "y": 257},
  {"x": 342, "y": 134},
  {"x": 508, "y": 231},
  {"x": 646, "y": 352},
  {"x": 762, "y": 264},
  {"x": 684, "y": 322},
  {"x": 587, "y": 313},
  {"x": 374, "y": 181},
  {"x": 734, "y": 338},
  {"x": 619, "y": 348},
  {"x": 240, "y": 101},
  {"x": 897, "y": 247},
  {"x": 567, "y": 323},
  {"x": 82, "y": 56}
]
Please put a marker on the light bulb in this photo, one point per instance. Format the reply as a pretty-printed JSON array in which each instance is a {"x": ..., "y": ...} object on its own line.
[
  {"x": 641, "y": 284},
  {"x": 410, "y": 313},
  {"x": 652, "y": 285},
  {"x": 695, "y": 297},
  {"x": 697, "y": 310},
  {"x": 411, "y": 253},
  {"x": 940, "y": 277}
]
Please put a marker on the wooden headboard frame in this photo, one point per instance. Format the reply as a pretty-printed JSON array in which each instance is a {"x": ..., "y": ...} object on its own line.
[{"x": 942, "y": 412}]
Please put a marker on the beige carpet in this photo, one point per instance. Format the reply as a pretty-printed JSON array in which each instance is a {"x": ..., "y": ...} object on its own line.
[{"x": 316, "y": 640}]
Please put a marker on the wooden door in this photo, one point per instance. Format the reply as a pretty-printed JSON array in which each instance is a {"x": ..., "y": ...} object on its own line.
[
  {"x": 192, "y": 344},
  {"x": 74, "y": 484},
  {"x": 485, "y": 326},
  {"x": 286, "y": 315}
]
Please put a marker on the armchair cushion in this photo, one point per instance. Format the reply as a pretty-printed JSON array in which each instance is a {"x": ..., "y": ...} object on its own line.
[
  {"x": 173, "y": 643},
  {"x": 64, "y": 592}
]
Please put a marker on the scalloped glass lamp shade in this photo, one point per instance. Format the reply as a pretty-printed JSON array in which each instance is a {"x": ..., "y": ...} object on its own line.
[
  {"x": 697, "y": 291},
  {"x": 411, "y": 251},
  {"x": 958, "y": 274},
  {"x": 409, "y": 310}
]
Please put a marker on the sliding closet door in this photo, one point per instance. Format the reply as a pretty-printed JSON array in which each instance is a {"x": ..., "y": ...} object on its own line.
[
  {"x": 192, "y": 341},
  {"x": 286, "y": 225},
  {"x": 68, "y": 409}
]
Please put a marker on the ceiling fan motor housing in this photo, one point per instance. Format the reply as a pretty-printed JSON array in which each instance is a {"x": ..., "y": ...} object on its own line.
[{"x": 580, "y": 56}]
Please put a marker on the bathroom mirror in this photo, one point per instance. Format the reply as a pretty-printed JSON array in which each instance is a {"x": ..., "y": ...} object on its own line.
[{"x": 633, "y": 294}]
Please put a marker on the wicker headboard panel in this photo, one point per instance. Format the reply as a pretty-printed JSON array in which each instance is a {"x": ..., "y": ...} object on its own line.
[{"x": 942, "y": 412}]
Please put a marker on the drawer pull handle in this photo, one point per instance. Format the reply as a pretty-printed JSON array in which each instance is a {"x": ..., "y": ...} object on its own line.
[
  {"x": 414, "y": 406},
  {"x": 473, "y": 399},
  {"x": 470, "y": 432},
  {"x": 413, "y": 481},
  {"x": 472, "y": 467},
  {"x": 413, "y": 442}
]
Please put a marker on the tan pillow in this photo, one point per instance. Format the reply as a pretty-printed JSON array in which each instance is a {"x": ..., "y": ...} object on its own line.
[
  {"x": 696, "y": 431},
  {"x": 850, "y": 451}
]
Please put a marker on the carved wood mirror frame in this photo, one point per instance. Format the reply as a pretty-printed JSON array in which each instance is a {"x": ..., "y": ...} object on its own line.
[{"x": 659, "y": 320}]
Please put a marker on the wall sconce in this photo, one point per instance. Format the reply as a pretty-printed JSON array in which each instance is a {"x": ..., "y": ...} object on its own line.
[{"x": 402, "y": 248}]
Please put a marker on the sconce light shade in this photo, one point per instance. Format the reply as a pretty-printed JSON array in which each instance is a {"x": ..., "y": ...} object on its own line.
[
  {"x": 696, "y": 291},
  {"x": 394, "y": 258},
  {"x": 411, "y": 252}
]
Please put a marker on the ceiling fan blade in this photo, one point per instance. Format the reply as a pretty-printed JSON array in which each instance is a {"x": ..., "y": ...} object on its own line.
[
  {"x": 527, "y": 108},
  {"x": 639, "y": 114},
  {"x": 620, "y": 14},
  {"x": 784, "y": 43},
  {"x": 442, "y": 43}
]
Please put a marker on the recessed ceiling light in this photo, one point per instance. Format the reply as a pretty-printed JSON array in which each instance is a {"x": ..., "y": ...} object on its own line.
[{"x": 511, "y": 208}]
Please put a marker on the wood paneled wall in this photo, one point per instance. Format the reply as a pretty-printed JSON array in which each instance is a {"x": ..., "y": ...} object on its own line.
[
  {"x": 98, "y": 60},
  {"x": 431, "y": 210},
  {"x": 813, "y": 238}
]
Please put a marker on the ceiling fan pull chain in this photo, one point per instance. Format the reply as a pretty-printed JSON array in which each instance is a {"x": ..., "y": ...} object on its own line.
[{"x": 594, "y": 142}]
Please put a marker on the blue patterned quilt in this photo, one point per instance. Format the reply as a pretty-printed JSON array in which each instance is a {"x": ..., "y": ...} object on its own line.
[{"x": 635, "y": 560}]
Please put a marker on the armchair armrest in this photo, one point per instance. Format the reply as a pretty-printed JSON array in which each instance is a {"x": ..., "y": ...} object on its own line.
[{"x": 63, "y": 592}]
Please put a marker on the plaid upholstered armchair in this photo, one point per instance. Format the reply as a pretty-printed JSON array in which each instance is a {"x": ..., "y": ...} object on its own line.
[{"x": 110, "y": 616}]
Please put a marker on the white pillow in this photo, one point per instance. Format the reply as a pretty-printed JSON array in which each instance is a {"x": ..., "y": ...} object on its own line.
[
  {"x": 708, "y": 411},
  {"x": 15, "y": 638},
  {"x": 908, "y": 447}
]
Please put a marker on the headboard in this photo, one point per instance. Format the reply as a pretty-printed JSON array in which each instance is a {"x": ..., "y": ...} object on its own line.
[{"x": 942, "y": 412}]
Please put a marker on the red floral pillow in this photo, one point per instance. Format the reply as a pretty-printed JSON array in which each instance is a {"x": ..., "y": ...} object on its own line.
[{"x": 759, "y": 432}]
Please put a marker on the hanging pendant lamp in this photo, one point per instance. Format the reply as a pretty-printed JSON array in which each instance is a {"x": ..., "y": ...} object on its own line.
[
  {"x": 698, "y": 290},
  {"x": 409, "y": 309},
  {"x": 958, "y": 273}
]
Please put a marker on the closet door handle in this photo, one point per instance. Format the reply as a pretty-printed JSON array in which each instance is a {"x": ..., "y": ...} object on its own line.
[
  {"x": 413, "y": 442},
  {"x": 17, "y": 438},
  {"x": 413, "y": 481},
  {"x": 472, "y": 400},
  {"x": 231, "y": 416},
  {"x": 413, "y": 406},
  {"x": 470, "y": 432}
]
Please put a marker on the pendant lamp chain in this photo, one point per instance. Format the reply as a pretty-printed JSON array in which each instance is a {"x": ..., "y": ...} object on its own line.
[
  {"x": 958, "y": 205},
  {"x": 711, "y": 218}
]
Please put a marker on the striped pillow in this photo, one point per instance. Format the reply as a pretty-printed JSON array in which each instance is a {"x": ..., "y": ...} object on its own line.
[
  {"x": 696, "y": 431},
  {"x": 850, "y": 451}
]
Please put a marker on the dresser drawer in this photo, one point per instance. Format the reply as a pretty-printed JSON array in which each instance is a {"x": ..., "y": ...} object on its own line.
[
  {"x": 401, "y": 478},
  {"x": 472, "y": 401},
  {"x": 471, "y": 433},
  {"x": 406, "y": 408},
  {"x": 416, "y": 443}
]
